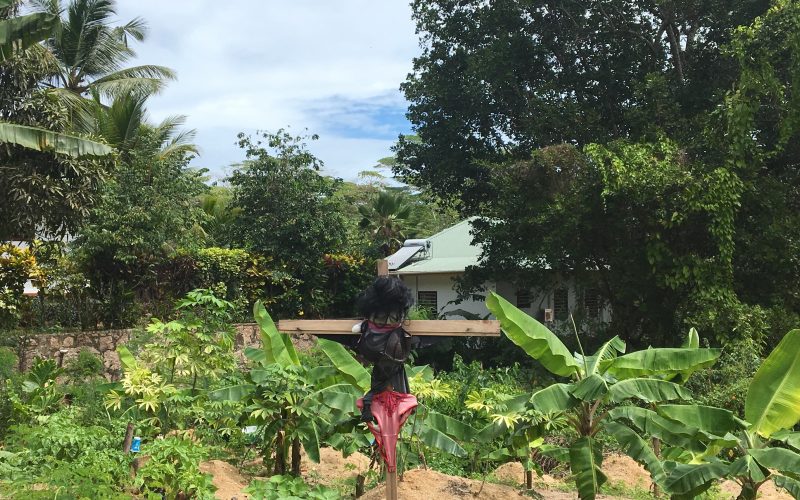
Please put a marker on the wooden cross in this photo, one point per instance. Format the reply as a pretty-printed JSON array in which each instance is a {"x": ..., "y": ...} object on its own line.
[
  {"x": 420, "y": 328},
  {"x": 416, "y": 327}
]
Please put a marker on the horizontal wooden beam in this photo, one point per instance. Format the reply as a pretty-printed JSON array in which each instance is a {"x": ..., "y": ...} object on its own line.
[{"x": 431, "y": 328}]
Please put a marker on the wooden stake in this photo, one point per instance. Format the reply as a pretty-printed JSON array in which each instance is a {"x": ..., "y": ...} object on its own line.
[
  {"x": 383, "y": 267},
  {"x": 126, "y": 444},
  {"x": 391, "y": 485}
]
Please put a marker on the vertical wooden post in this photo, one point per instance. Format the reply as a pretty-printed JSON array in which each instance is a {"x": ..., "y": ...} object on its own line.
[
  {"x": 383, "y": 267},
  {"x": 391, "y": 485},
  {"x": 126, "y": 445}
]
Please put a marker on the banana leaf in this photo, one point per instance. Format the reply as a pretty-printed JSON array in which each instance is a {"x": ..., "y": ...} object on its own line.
[
  {"x": 746, "y": 466},
  {"x": 710, "y": 419},
  {"x": 40, "y": 139},
  {"x": 441, "y": 441},
  {"x": 450, "y": 426},
  {"x": 590, "y": 388},
  {"x": 554, "y": 399},
  {"x": 787, "y": 483},
  {"x": 692, "y": 340},
  {"x": 235, "y": 392},
  {"x": 666, "y": 361},
  {"x": 607, "y": 351},
  {"x": 773, "y": 399},
  {"x": 685, "y": 481},
  {"x": 648, "y": 390},
  {"x": 585, "y": 458},
  {"x": 638, "y": 449},
  {"x": 309, "y": 436},
  {"x": 351, "y": 369},
  {"x": 788, "y": 437},
  {"x": 780, "y": 459},
  {"x": 278, "y": 347},
  {"x": 19, "y": 33},
  {"x": 533, "y": 337},
  {"x": 126, "y": 359},
  {"x": 652, "y": 424}
]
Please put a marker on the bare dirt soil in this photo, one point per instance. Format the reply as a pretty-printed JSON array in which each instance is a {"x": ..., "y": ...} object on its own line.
[
  {"x": 226, "y": 478},
  {"x": 421, "y": 484}
]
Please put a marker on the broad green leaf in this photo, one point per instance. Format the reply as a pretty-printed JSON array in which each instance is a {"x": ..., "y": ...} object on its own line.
[
  {"x": 554, "y": 399},
  {"x": 585, "y": 458},
  {"x": 665, "y": 361},
  {"x": 607, "y": 351},
  {"x": 19, "y": 33},
  {"x": 310, "y": 439},
  {"x": 489, "y": 433},
  {"x": 590, "y": 388},
  {"x": 648, "y": 390},
  {"x": 506, "y": 454},
  {"x": 788, "y": 437},
  {"x": 338, "y": 398},
  {"x": 126, "y": 359},
  {"x": 779, "y": 459},
  {"x": 638, "y": 449},
  {"x": 773, "y": 399},
  {"x": 707, "y": 418},
  {"x": 277, "y": 346},
  {"x": 450, "y": 426},
  {"x": 746, "y": 466},
  {"x": 558, "y": 453},
  {"x": 439, "y": 440},
  {"x": 533, "y": 337},
  {"x": 692, "y": 340},
  {"x": 352, "y": 370},
  {"x": 40, "y": 139},
  {"x": 652, "y": 424},
  {"x": 689, "y": 480},
  {"x": 236, "y": 392},
  {"x": 787, "y": 483},
  {"x": 256, "y": 355}
]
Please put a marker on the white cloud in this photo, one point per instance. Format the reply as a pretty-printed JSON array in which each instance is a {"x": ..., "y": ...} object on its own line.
[{"x": 333, "y": 67}]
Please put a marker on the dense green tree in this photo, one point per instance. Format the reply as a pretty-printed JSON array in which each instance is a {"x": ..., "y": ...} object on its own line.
[
  {"x": 677, "y": 193},
  {"x": 148, "y": 210},
  {"x": 49, "y": 177},
  {"x": 287, "y": 210},
  {"x": 499, "y": 79}
]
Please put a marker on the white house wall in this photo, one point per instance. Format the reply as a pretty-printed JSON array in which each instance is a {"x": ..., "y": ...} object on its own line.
[{"x": 443, "y": 285}]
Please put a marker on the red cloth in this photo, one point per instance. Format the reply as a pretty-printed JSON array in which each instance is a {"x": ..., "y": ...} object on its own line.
[{"x": 390, "y": 409}]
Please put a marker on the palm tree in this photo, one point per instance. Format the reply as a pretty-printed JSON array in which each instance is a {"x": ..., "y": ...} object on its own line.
[
  {"x": 386, "y": 218},
  {"x": 91, "y": 53},
  {"x": 18, "y": 34},
  {"x": 123, "y": 124}
]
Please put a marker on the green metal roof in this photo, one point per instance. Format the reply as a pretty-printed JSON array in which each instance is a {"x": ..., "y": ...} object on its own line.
[{"x": 451, "y": 252}]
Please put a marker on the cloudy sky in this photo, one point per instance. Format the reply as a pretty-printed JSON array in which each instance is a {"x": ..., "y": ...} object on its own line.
[{"x": 330, "y": 66}]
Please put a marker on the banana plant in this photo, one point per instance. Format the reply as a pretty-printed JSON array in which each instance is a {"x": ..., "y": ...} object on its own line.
[
  {"x": 309, "y": 405},
  {"x": 595, "y": 383},
  {"x": 707, "y": 444}
]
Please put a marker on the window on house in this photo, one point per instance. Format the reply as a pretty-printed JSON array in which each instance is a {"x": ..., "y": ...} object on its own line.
[
  {"x": 524, "y": 299},
  {"x": 561, "y": 303},
  {"x": 428, "y": 300},
  {"x": 591, "y": 302}
]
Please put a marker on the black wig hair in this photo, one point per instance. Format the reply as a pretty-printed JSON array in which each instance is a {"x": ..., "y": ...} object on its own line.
[{"x": 386, "y": 297}]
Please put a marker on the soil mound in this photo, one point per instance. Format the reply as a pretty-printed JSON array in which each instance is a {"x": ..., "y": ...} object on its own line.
[
  {"x": 623, "y": 469},
  {"x": 226, "y": 478},
  {"x": 332, "y": 467},
  {"x": 422, "y": 484},
  {"x": 767, "y": 491}
]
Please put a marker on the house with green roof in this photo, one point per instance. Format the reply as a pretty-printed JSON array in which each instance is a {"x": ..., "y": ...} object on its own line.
[{"x": 429, "y": 267}]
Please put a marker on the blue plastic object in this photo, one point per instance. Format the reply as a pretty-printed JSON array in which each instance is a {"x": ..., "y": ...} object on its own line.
[{"x": 136, "y": 444}]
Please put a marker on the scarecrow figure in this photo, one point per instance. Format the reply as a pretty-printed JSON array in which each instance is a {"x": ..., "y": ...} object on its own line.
[{"x": 383, "y": 341}]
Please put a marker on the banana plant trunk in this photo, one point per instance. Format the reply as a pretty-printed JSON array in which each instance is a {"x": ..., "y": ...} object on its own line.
[{"x": 296, "y": 456}]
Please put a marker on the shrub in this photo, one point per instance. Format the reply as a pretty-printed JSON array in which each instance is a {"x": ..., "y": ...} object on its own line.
[
  {"x": 280, "y": 487},
  {"x": 173, "y": 470}
]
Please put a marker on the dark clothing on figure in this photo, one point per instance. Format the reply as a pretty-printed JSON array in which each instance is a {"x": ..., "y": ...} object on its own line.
[{"x": 387, "y": 373}]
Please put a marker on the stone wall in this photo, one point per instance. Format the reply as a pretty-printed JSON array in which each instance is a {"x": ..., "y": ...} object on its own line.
[{"x": 104, "y": 344}]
